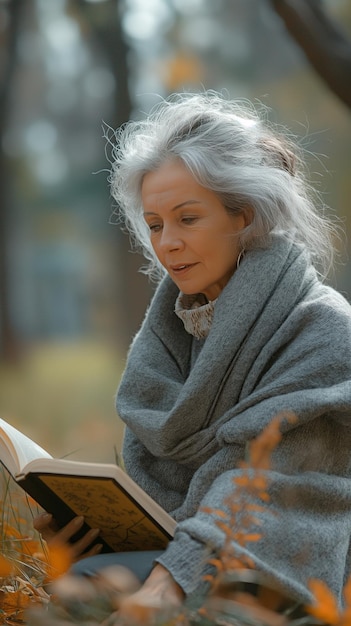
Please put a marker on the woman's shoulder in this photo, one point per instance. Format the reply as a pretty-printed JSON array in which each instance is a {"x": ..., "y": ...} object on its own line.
[
  {"x": 322, "y": 319},
  {"x": 329, "y": 302}
]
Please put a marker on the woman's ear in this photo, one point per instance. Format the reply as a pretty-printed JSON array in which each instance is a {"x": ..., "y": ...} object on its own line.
[{"x": 248, "y": 213}]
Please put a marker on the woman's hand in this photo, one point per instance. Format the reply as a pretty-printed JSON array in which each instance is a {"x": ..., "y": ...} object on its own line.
[
  {"x": 47, "y": 527},
  {"x": 159, "y": 593}
]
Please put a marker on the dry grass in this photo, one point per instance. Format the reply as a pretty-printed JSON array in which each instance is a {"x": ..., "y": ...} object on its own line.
[
  {"x": 23, "y": 556},
  {"x": 62, "y": 396}
]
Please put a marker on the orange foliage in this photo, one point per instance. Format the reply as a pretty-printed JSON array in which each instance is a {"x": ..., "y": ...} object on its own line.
[
  {"x": 261, "y": 448},
  {"x": 23, "y": 565},
  {"x": 31, "y": 547},
  {"x": 325, "y": 606},
  {"x": 59, "y": 557},
  {"x": 347, "y": 593},
  {"x": 12, "y": 600},
  {"x": 236, "y": 525},
  {"x": 250, "y": 496},
  {"x": 6, "y": 567}
]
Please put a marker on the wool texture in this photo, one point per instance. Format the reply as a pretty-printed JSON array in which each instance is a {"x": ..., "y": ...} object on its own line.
[{"x": 280, "y": 341}]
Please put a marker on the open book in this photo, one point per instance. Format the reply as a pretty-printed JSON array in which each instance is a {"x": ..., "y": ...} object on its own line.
[{"x": 103, "y": 493}]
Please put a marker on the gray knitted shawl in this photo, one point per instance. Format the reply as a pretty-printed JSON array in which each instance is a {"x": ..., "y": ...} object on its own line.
[{"x": 279, "y": 341}]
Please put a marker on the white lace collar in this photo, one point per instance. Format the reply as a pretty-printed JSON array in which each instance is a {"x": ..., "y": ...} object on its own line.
[{"x": 196, "y": 313}]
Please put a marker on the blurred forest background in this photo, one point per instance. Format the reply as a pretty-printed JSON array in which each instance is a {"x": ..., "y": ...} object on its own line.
[{"x": 71, "y": 293}]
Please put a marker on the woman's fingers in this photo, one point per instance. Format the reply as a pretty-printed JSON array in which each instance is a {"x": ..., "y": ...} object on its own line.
[
  {"x": 94, "y": 550},
  {"x": 64, "y": 534},
  {"x": 47, "y": 527},
  {"x": 79, "y": 548}
]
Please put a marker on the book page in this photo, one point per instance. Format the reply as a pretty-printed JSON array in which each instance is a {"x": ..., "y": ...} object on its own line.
[
  {"x": 16, "y": 450},
  {"x": 105, "y": 506}
]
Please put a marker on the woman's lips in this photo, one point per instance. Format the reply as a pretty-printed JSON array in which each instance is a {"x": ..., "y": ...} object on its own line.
[{"x": 182, "y": 268}]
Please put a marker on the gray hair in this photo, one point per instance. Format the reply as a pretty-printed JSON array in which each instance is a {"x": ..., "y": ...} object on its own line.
[{"x": 231, "y": 149}]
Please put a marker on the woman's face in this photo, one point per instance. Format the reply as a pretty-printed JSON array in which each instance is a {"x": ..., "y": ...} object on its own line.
[{"x": 193, "y": 235}]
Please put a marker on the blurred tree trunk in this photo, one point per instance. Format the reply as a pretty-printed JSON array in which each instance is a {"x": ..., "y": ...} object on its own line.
[
  {"x": 9, "y": 37},
  {"x": 324, "y": 42},
  {"x": 132, "y": 289}
]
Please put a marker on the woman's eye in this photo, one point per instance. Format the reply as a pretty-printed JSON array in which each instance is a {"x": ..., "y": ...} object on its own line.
[
  {"x": 154, "y": 228},
  {"x": 189, "y": 220}
]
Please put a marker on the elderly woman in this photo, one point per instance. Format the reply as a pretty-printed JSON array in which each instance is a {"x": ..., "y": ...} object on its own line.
[{"x": 241, "y": 328}]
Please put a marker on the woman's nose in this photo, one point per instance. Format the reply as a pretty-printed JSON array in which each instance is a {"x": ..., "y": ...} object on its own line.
[{"x": 170, "y": 239}]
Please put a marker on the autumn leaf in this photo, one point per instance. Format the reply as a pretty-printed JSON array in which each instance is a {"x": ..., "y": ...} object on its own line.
[
  {"x": 242, "y": 481},
  {"x": 218, "y": 512},
  {"x": 325, "y": 607},
  {"x": 202, "y": 611},
  {"x": 6, "y": 567},
  {"x": 264, "y": 496},
  {"x": 235, "y": 563},
  {"x": 347, "y": 593},
  {"x": 59, "y": 560},
  {"x": 13, "y": 600},
  {"x": 345, "y": 619},
  {"x": 31, "y": 547},
  {"x": 217, "y": 563},
  {"x": 238, "y": 521},
  {"x": 225, "y": 528},
  {"x": 261, "y": 448},
  {"x": 253, "y": 536},
  {"x": 208, "y": 578}
]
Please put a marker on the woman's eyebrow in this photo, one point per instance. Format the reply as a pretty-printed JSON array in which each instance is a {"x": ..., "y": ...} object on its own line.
[
  {"x": 178, "y": 206},
  {"x": 182, "y": 204}
]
